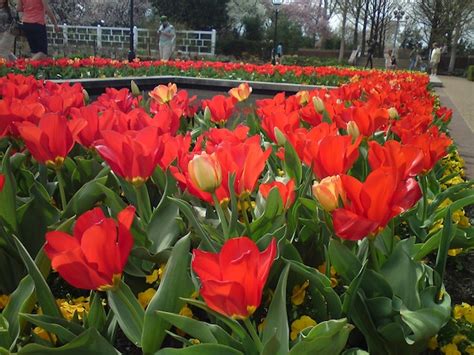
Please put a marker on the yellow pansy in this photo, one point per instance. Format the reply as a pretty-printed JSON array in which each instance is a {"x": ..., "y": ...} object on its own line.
[
  {"x": 69, "y": 308},
  {"x": 4, "y": 301},
  {"x": 433, "y": 343},
  {"x": 300, "y": 324},
  {"x": 469, "y": 350},
  {"x": 156, "y": 275},
  {"x": 145, "y": 297},
  {"x": 186, "y": 311},
  {"x": 299, "y": 292},
  {"x": 450, "y": 349},
  {"x": 43, "y": 334},
  {"x": 454, "y": 252},
  {"x": 458, "y": 338}
]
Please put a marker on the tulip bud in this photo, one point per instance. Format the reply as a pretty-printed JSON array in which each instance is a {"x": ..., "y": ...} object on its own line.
[
  {"x": 318, "y": 104},
  {"x": 328, "y": 191},
  {"x": 279, "y": 136},
  {"x": 353, "y": 130},
  {"x": 205, "y": 172},
  {"x": 135, "y": 89},
  {"x": 86, "y": 96},
  {"x": 393, "y": 113}
]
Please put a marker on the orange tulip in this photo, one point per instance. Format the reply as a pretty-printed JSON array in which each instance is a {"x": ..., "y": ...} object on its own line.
[
  {"x": 287, "y": 191},
  {"x": 241, "y": 93},
  {"x": 164, "y": 94},
  {"x": 328, "y": 192}
]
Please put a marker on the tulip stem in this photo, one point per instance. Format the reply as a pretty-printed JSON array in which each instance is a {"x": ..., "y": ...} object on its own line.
[
  {"x": 143, "y": 201},
  {"x": 253, "y": 334},
  {"x": 373, "y": 254},
  {"x": 220, "y": 213},
  {"x": 424, "y": 190},
  {"x": 62, "y": 193}
]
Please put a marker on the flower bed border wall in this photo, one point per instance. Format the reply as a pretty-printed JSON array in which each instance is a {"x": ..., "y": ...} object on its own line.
[{"x": 98, "y": 86}]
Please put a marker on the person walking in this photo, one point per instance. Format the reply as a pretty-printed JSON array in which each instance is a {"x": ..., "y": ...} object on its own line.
[
  {"x": 6, "y": 37},
  {"x": 435, "y": 58},
  {"x": 414, "y": 57},
  {"x": 34, "y": 25},
  {"x": 388, "y": 59},
  {"x": 370, "y": 53},
  {"x": 279, "y": 53},
  {"x": 167, "y": 39}
]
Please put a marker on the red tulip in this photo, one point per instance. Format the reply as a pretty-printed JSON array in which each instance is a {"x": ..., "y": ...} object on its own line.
[
  {"x": 407, "y": 160},
  {"x": 232, "y": 281},
  {"x": 369, "y": 206},
  {"x": 133, "y": 155},
  {"x": 93, "y": 257},
  {"x": 2, "y": 181},
  {"x": 287, "y": 191},
  {"x": 52, "y": 140},
  {"x": 221, "y": 108}
]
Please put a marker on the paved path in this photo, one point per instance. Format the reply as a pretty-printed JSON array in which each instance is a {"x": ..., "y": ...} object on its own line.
[{"x": 458, "y": 94}]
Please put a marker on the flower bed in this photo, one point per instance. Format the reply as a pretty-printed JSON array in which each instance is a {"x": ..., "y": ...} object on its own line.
[
  {"x": 219, "y": 228},
  {"x": 95, "y": 67}
]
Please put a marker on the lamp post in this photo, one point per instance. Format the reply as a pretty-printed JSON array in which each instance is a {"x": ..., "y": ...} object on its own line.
[
  {"x": 276, "y": 3},
  {"x": 131, "y": 53},
  {"x": 398, "y": 13}
]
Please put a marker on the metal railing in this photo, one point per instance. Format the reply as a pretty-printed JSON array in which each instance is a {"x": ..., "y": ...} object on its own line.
[{"x": 100, "y": 39}]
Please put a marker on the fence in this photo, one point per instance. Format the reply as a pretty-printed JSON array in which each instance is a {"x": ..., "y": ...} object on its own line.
[{"x": 115, "y": 41}]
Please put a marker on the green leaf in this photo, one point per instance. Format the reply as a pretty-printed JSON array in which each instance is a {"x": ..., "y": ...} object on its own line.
[
  {"x": 269, "y": 221},
  {"x": 88, "y": 343},
  {"x": 400, "y": 270},
  {"x": 4, "y": 335},
  {"x": 34, "y": 218},
  {"x": 355, "y": 351},
  {"x": 187, "y": 209},
  {"x": 96, "y": 317},
  {"x": 20, "y": 300},
  {"x": 344, "y": 261},
  {"x": 277, "y": 318},
  {"x": 129, "y": 313},
  {"x": 235, "y": 327},
  {"x": 328, "y": 337},
  {"x": 322, "y": 284},
  {"x": 426, "y": 322},
  {"x": 447, "y": 235},
  {"x": 293, "y": 164},
  {"x": 45, "y": 297},
  {"x": 66, "y": 331},
  {"x": 162, "y": 230},
  {"x": 204, "y": 332},
  {"x": 8, "y": 195},
  {"x": 201, "y": 349},
  {"x": 176, "y": 283}
]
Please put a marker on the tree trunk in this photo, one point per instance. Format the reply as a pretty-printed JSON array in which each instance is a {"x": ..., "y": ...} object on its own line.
[
  {"x": 364, "y": 26},
  {"x": 356, "y": 25},
  {"x": 454, "y": 47},
  {"x": 343, "y": 32}
]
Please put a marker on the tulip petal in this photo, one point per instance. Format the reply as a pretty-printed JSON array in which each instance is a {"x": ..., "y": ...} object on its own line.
[
  {"x": 87, "y": 220},
  {"x": 206, "y": 265},
  {"x": 226, "y": 297},
  {"x": 58, "y": 242},
  {"x": 351, "y": 226}
]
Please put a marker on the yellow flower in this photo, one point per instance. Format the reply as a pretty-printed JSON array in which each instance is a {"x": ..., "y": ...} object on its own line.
[
  {"x": 469, "y": 350},
  {"x": 43, "y": 334},
  {"x": 157, "y": 274},
  {"x": 186, "y": 311},
  {"x": 454, "y": 252},
  {"x": 433, "y": 343},
  {"x": 451, "y": 349},
  {"x": 145, "y": 297},
  {"x": 194, "y": 341},
  {"x": 458, "y": 338},
  {"x": 69, "y": 308},
  {"x": 300, "y": 324},
  {"x": 469, "y": 315},
  {"x": 4, "y": 301},
  {"x": 299, "y": 292}
]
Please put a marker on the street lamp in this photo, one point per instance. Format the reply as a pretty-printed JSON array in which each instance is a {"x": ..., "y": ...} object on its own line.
[
  {"x": 276, "y": 3},
  {"x": 131, "y": 53},
  {"x": 398, "y": 13}
]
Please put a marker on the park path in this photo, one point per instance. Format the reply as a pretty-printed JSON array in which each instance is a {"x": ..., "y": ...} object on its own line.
[{"x": 458, "y": 94}]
